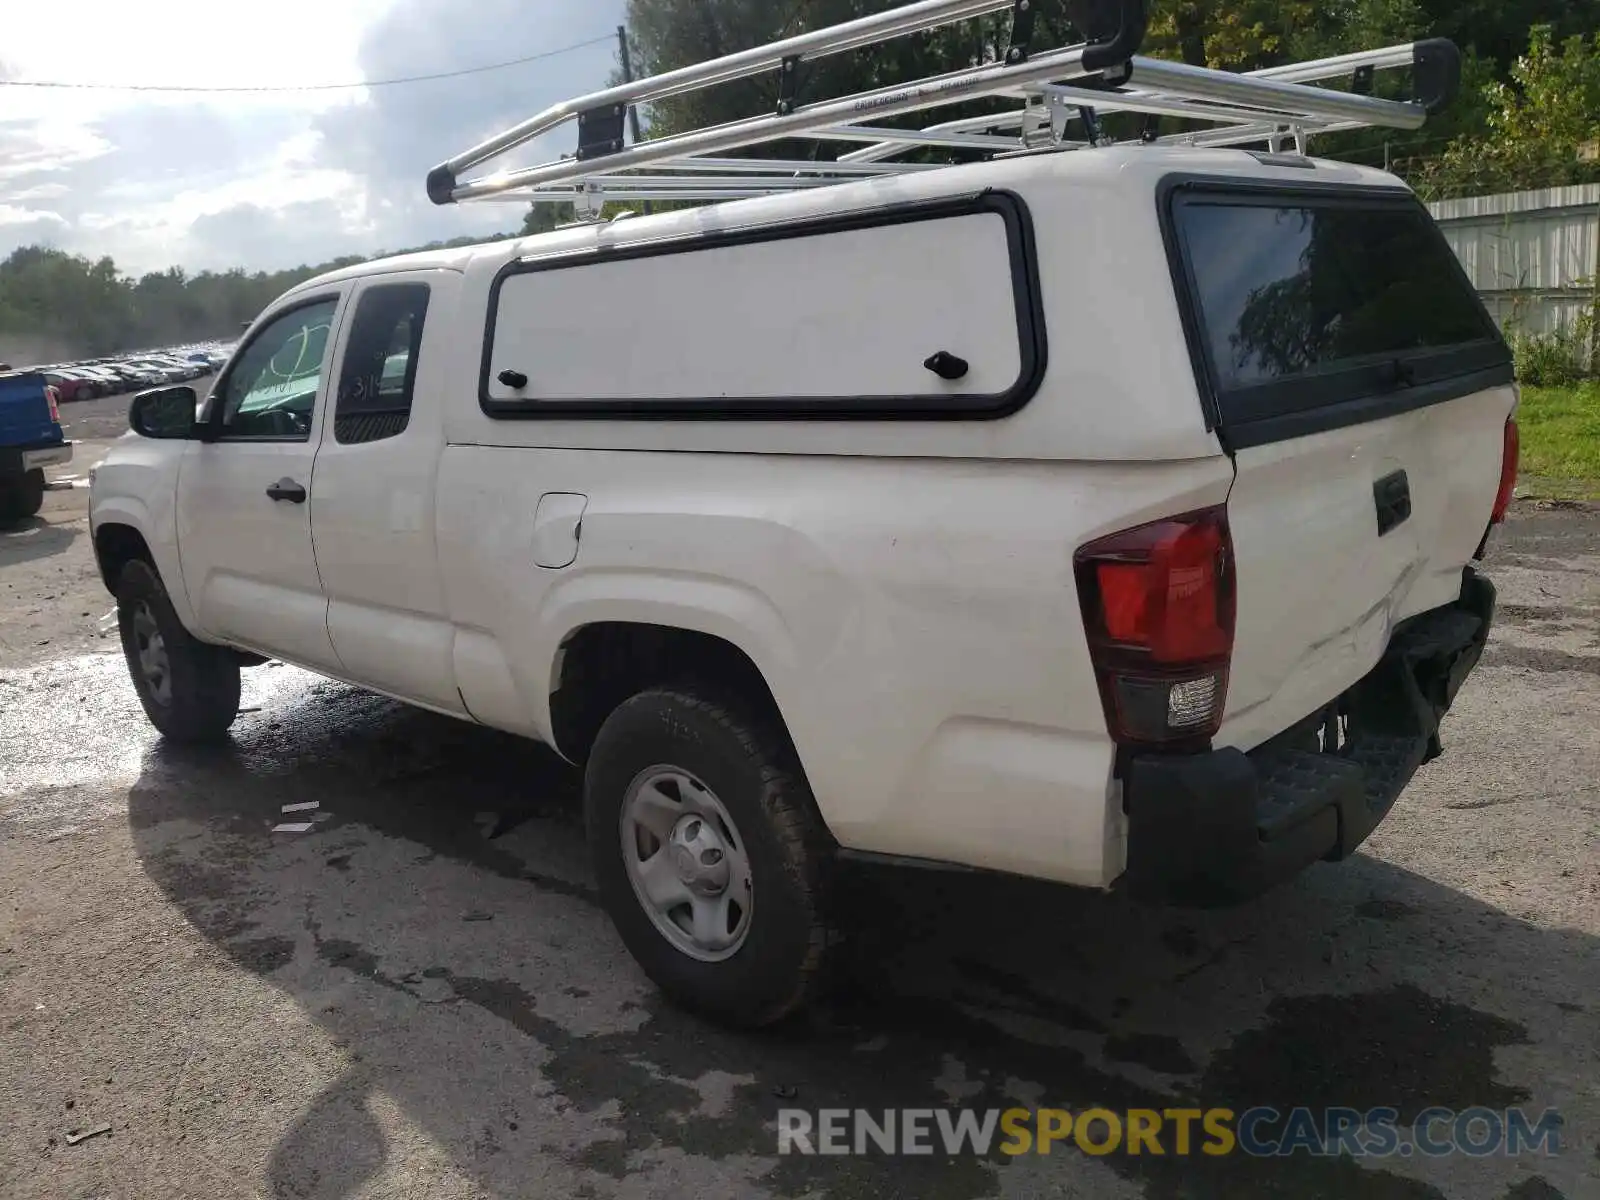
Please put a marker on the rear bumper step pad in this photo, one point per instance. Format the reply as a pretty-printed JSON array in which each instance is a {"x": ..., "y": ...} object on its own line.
[{"x": 1215, "y": 829}]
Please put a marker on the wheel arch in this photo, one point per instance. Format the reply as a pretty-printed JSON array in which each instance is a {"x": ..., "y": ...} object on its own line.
[
  {"x": 601, "y": 663},
  {"x": 124, "y": 528},
  {"x": 116, "y": 544}
]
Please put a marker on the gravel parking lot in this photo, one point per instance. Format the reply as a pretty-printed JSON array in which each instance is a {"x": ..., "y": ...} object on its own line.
[{"x": 419, "y": 996}]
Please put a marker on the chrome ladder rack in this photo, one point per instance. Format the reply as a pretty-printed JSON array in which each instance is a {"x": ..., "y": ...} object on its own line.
[{"x": 1062, "y": 92}]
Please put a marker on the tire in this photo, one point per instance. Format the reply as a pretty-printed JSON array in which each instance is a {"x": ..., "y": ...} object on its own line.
[
  {"x": 21, "y": 496},
  {"x": 747, "y": 769},
  {"x": 29, "y": 494},
  {"x": 195, "y": 698}
]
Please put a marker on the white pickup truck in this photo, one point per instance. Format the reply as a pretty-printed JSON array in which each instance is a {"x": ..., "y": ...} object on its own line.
[{"x": 1105, "y": 518}]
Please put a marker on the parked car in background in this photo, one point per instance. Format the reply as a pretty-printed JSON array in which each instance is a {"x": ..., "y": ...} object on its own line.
[
  {"x": 87, "y": 378},
  {"x": 186, "y": 370},
  {"x": 127, "y": 378},
  {"x": 142, "y": 375},
  {"x": 71, "y": 385},
  {"x": 110, "y": 382},
  {"x": 166, "y": 372},
  {"x": 99, "y": 385}
]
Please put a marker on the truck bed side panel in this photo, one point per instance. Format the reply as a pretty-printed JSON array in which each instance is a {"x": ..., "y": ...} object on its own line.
[{"x": 917, "y": 621}]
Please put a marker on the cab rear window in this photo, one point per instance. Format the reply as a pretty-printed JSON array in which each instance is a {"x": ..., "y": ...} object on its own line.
[{"x": 1316, "y": 310}]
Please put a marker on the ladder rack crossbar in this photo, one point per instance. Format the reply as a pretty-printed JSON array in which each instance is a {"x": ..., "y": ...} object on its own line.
[
  {"x": 865, "y": 133},
  {"x": 772, "y": 166},
  {"x": 887, "y": 149},
  {"x": 628, "y": 190},
  {"x": 1244, "y": 135},
  {"x": 1162, "y": 104}
]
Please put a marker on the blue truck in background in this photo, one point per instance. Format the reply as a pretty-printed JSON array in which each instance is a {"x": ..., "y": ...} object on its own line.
[{"x": 30, "y": 440}]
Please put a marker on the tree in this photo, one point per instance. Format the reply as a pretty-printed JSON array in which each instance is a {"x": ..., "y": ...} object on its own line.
[
  {"x": 1498, "y": 30},
  {"x": 542, "y": 218},
  {"x": 1542, "y": 125},
  {"x": 1238, "y": 35},
  {"x": 56, "y": 307}
]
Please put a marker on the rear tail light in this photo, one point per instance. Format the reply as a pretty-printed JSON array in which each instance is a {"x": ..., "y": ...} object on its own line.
[
  {"x": 1158, "y": 606},
  {"x": 1508, "y": 472},
  {"x": 53, "y": 399}
]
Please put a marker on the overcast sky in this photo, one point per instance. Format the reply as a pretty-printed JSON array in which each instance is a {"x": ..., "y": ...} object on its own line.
[{"x": 267, "y": 181}]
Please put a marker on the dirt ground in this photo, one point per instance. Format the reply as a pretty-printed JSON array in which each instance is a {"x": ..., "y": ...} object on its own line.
[
  {"x": 51, "y": 596},
  {"x": 420, "y": 997}
]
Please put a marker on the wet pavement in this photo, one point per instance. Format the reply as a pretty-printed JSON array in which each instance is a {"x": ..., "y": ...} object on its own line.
[{"x": 420, "y": 996}]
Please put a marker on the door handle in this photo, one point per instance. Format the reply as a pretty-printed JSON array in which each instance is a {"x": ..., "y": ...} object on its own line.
[{"x": 287, "y": 489}]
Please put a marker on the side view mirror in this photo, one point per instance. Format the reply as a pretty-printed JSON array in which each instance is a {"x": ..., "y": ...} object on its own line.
[{"x": 164, "y": 413}]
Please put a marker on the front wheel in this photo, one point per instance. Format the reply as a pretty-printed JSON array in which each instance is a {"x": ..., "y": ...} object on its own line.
[
  {"x": 189, "y": 689},
  {"x": 710, "y": 855}
]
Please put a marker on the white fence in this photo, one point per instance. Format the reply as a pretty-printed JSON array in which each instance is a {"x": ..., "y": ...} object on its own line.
[{"x": 1533, "y": 256}]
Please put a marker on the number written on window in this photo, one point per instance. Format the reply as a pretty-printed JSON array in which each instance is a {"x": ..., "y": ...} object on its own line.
[{"x": 380, "y": 363}]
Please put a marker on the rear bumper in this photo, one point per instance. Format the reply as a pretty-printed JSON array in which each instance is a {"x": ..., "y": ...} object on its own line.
[
  {"x": 1216, "y": 829},
  {"x": 18, "y": 460},
  {"x": 51, "y": 457}
]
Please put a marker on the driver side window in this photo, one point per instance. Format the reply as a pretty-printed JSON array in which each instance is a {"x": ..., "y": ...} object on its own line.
[{"x": 270, "y": 394}]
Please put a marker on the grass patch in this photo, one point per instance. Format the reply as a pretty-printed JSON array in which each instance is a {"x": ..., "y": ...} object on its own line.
[{"x": 1560, "y": 442}]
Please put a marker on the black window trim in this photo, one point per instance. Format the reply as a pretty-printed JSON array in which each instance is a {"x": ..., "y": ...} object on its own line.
[
  {"x": 413, "y": 356},
  {"x": 1320, "y": 401},
  {"x": 213, "y": 427},
  {"x": 1026, "y": 290}
]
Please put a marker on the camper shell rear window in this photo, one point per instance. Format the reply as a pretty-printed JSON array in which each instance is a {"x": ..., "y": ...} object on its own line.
[
  {"x": 921, "y": 310},
  {"x": 1310, "y": 309}
]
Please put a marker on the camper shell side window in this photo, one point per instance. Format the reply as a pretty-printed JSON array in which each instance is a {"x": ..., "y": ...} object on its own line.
[{"x": 926, "y": 310}]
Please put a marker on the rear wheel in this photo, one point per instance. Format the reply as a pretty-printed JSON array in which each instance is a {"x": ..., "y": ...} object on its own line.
[
  {"x": 189, "y": 689},
  {"x": 710, "y": 856},
  {"x": 21, "y": 496}
]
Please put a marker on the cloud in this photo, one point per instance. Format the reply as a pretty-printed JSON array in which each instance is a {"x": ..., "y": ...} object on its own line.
[
  {"x": 31, "y": 148},
  {"x": 268, "y": 181},
  {"x": 399, "y": 133},
  {"x": 297, "y": 233},
  {"x": 129, "y": 182},
  {"x": 45, "y": 191},
  {"x": 29, "y": 226},
  {"x": 14, "y": 214},
  {"x": 396, "y": 135}
]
